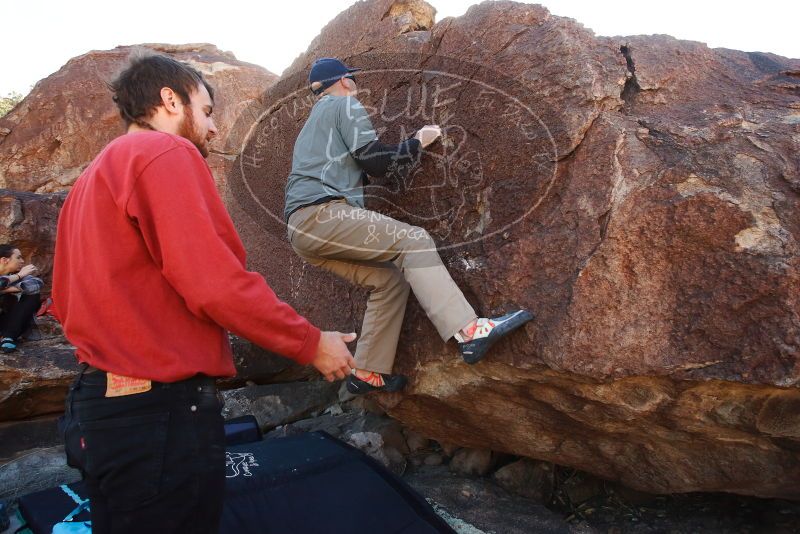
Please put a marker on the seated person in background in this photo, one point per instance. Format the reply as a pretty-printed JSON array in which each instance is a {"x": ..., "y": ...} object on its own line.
[{"x": 19, "y": 296}]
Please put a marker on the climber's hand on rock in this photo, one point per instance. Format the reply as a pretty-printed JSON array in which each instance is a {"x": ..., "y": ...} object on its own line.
[{"x": 428, "y": 134}]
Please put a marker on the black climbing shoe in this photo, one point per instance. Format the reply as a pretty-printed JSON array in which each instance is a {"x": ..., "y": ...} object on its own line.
[
  {"x": 488, "y": 332},
  {"x": 391, "y": 383}
]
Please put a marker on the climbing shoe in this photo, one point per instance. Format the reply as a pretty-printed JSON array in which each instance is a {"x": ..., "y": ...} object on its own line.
[
  {"x": 375, "y": 382},
  {"x": 488, "y": 332}
]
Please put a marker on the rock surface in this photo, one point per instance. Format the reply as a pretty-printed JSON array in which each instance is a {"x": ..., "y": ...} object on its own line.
[
  {"x": 640, "y": 194},
  {"x": 477, "y": 462},
  {"x": 35, "y": 378},
  {"x": 485, "y": 506},
  {"x": 477, "y": 505},
  {"x": 19, "y": 436},
  {"x": 37, "y": 470},
  {"x": 528, "y": 478},
  {"x": 279, "y": 404},
  {"x": 53, "y": 134},
  {"x": 29, "y": 221}
]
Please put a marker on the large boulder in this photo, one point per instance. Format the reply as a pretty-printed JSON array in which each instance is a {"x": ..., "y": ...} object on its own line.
[
  {"x": 28, "y": 220},
  {"x": 640, "y": 194},
  {"x": 51, "y": 136}
]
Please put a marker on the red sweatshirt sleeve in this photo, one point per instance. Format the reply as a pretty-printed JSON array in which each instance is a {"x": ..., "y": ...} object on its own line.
[{"x": 192, "y": 239}]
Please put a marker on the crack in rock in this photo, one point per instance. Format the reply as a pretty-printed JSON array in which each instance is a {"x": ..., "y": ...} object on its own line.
[{"x": 631, "y": 83}]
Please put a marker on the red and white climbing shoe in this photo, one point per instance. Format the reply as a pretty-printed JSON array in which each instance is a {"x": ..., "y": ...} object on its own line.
[
  {"x": 488, "y": 332},
  {"x": 375, "y": 382}
]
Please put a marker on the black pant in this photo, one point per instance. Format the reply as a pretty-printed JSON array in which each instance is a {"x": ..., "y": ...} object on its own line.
[
  {"x": 17, "y": 316},
  {"x": 152, "y": 462}
]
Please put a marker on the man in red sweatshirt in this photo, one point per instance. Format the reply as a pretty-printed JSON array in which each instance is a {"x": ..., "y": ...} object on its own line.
[{"x": 149, "y": 276}]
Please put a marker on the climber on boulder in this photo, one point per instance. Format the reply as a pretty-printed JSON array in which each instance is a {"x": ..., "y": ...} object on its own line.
[{"x": 329, "y": 227}]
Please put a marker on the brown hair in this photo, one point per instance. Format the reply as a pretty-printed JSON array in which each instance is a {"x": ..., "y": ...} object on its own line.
[
  {"x": 6, "y": 250},
  {"x": 137, "y": 89}
]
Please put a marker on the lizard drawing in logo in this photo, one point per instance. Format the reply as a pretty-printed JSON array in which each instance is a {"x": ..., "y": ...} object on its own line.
[
  {"x": 239, "y": 463},
  {"x": 458, "y": 181}
]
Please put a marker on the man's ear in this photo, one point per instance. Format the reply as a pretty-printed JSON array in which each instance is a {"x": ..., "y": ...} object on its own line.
[{"x": 170, "y": 100}]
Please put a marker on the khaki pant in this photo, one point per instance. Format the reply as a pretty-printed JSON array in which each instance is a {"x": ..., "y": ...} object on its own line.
[{"x": 387, "y": 257}]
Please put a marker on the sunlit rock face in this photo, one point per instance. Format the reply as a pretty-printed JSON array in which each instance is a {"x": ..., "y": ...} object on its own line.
[
  {"x": 640, "y": 194},
  {"x": 67, "y": 119}
]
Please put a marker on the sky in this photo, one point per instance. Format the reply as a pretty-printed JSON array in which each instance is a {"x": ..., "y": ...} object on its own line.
[{"x": 39, "y": 36}]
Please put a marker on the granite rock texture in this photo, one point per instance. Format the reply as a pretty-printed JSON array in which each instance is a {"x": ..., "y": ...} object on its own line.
[
  {"x": 56, "y": 131},
  {"x": 639, "y": 194}
]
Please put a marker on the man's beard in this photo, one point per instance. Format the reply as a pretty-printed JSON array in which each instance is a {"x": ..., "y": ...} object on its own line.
[{"x": 188, "y": 130}]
